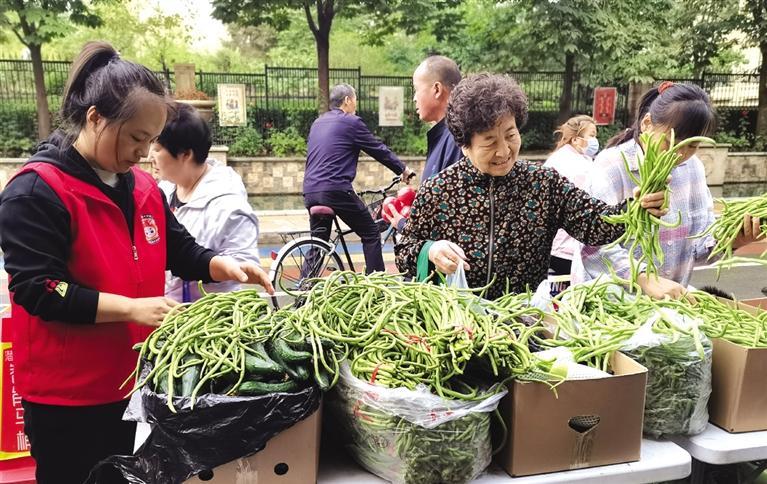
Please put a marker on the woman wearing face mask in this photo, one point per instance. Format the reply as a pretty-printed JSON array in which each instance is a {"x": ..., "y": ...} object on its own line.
[
  {"x": 491, "y": 213},
  {"x": 687, "y": 110},
  {"x": 87, "y": 237},
  {"x": 572, "y": 158}
]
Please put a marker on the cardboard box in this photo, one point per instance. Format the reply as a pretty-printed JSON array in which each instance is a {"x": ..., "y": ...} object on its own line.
[
  {"x": 759, "y": 302},
  {"x": 290, "y": 457},
  {"x": 738, "y": 400},
  {"x": 590, "y": 423}
]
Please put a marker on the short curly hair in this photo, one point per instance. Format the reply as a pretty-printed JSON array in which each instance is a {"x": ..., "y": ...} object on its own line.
[{"x": 479, "y": 101}]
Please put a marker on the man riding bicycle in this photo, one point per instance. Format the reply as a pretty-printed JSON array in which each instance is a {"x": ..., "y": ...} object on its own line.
[{"x": 335, "y": 141}]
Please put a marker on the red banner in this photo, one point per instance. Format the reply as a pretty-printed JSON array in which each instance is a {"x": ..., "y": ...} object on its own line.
[
  {"x": 13, "y": 441},
  {"x": 605, "y": 99}
]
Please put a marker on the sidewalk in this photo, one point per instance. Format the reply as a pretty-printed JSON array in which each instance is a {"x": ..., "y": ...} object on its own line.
[{"x": 272, "y": 223}]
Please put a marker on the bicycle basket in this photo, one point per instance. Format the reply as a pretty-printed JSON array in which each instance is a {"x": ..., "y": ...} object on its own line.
[{"x": 374, "y": 207}]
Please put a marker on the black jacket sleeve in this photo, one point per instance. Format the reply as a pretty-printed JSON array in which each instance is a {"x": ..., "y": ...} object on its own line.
[
  {"x": 36, "y": 238},
  {"x": 186, "y": 259}
]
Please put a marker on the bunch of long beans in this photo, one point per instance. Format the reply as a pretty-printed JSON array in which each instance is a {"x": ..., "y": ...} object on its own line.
[
  {"x": 399, "y": 335},
  {"x": 400, "y": 451},
  {"x": 402, "y": 334},
  {"x": 642, "y": 228},
  {"x": 722, "y": 320},
  {"x": 594, "y": 320},
  {"x": 207, "y": 344},
  {"x": 729, "y": 225}
]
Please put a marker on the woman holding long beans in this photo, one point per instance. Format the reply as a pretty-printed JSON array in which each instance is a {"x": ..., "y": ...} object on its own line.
[
  {"x": 86, "y": 237},
  {"x": 685, "y": 109},
  {"x": 492, "y": 213}
]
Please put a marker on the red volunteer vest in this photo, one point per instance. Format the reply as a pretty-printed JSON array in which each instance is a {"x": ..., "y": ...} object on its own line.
[{"x": 84, "y": 364}]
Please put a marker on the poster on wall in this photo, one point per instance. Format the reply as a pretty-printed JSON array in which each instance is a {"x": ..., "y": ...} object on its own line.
[
  {"x": 231, "y": 105},
  {"x": 391, "y": 105},
  {"x": 605, "y": 99}
]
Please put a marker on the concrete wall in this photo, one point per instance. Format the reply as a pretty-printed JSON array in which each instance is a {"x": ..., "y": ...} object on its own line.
[
  {"x": 277, "y": 176},
  {"x": 746, "y": 167}
]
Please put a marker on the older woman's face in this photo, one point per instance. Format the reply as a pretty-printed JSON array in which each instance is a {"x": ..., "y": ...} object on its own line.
[{"x": 495, "y": 151}]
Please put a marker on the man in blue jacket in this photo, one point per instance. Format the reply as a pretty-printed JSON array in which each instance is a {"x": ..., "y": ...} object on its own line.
[
  {"x": 335, "y": 141},
  {"x": 433, "y": 81}
]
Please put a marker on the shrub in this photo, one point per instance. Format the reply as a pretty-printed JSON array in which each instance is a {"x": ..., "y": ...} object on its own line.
[
  {"x": 247, "y": 142},
  {"x": 287, "y": 142}
]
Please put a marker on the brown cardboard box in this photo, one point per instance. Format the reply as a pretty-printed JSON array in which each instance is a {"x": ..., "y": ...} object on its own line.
[
  {"x": 738, "y": 400},
  {"x": 290, "y": 457},
  {"x": 591, "y": 422},
  {"x": 759, "y": 302}
]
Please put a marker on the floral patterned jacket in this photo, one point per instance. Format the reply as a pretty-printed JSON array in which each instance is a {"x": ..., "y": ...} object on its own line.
[{"x": 505, "y": 225}]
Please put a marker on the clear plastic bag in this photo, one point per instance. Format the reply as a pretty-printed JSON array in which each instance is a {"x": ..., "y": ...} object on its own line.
[
  {"x": 678, "y": 376},
  {"x": 413, "y": 436},
  {"x": 457, "y": 279}
]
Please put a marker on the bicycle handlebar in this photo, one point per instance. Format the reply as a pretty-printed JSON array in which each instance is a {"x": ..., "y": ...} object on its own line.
[{"x": 394, "y": 182}]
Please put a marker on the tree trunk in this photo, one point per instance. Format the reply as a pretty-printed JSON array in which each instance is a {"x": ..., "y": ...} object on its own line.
[
  {"x": 566, "y": 100},
  {"x": 43, "y": 112},
  {"x": 323, "y": 70},
  {"x": 761, "y": 117}
]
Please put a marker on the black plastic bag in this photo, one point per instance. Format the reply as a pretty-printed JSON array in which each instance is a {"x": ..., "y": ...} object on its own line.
[{"x": 218, "y": 430}]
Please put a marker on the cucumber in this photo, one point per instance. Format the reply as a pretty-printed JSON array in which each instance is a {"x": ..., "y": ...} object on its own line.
[
  {"x": 189, "y": 380},
  {"x": 302, "y": 374},
  {"x": 323, "y": 380},
  {"x": 277, "y": 357},
  {"x": 287, "y": 353},
  {"x": 259, "y": 366},
  {"x": 262, "y": 388}
]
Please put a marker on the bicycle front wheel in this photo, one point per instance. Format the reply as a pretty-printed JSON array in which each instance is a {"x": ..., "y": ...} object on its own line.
[{"x": 301, "y": 260}]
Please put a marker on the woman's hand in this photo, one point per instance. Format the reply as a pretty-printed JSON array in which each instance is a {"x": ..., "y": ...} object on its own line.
[
  {"x": 751, "y": 232},
  {"x": 150, "y": 311},
  {"x": 446, "y": 256},
  {"x": 225, "y": 268},
  {"x": 394, "y": 216},
  {"x": 653, "y": 202},
  {"x": 660, "y": 288}
]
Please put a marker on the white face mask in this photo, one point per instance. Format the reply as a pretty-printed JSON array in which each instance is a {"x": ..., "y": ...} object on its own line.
[{"x": 592, "y": 148}]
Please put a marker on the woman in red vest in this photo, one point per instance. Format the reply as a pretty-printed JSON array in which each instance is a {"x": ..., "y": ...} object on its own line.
[{"x": 86, "y": 237}]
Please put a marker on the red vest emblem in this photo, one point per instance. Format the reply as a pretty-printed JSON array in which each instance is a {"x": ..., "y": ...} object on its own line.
[{"x": 151, "y": 232}]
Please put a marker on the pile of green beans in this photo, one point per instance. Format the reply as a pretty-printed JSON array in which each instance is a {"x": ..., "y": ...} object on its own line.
[
  {"x": 208, "y": 346},
  {"x": 402, "y": 334},
  {"x": 729, "y": 225},
  {"x": 454, "y": 452},
  {"x": 720, "y": 320},
  {"x": 595, "y": 320},
  {"x": 642, "y": 228}
]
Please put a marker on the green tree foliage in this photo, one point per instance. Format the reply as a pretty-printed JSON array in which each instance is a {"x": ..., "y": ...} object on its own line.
[
  {"x": 753, "y": 23},
  {"x": 385, "y": 18},
  {"x": 35, "y": 23}
]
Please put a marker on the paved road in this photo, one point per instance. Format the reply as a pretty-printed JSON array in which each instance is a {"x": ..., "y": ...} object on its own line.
[{"x": 744, "y": 282}]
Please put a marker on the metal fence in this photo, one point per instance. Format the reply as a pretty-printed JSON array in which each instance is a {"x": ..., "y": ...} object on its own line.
[{"x": 287, "y": 96}]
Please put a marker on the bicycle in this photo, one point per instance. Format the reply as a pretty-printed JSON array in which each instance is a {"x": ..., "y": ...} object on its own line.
[{"x": 306, "y": 257}]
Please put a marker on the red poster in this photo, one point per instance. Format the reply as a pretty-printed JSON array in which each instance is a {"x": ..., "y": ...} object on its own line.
[{"x": 605, "y": 99}]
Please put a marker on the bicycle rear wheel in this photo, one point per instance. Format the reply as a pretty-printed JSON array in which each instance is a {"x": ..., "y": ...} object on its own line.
[{"x": 301, "y": 260}]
